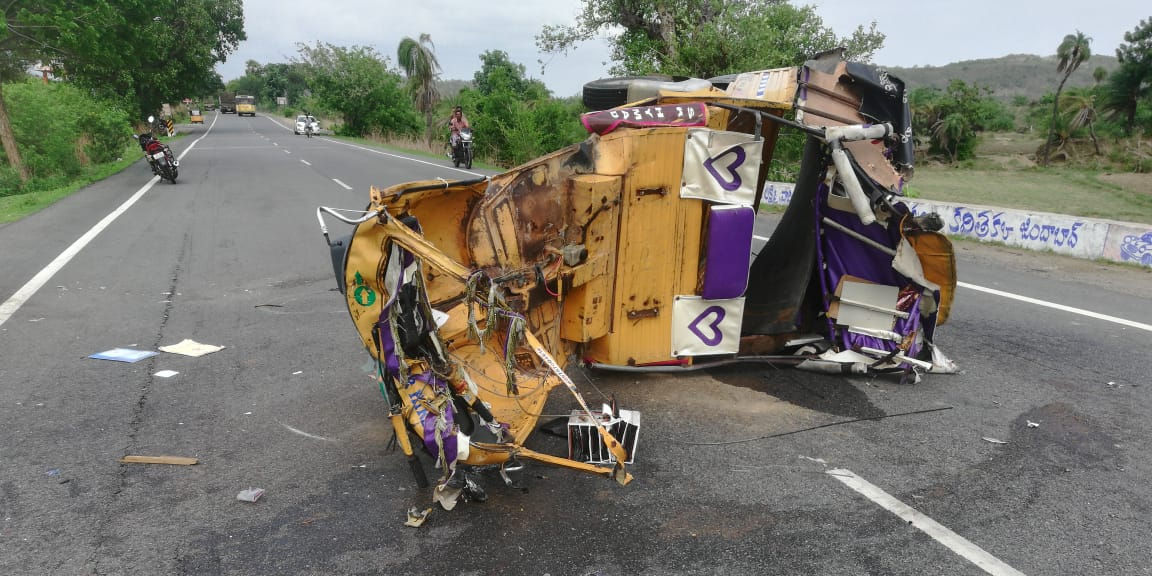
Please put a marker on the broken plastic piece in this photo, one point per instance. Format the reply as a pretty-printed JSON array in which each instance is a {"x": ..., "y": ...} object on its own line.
[
  {"x": 416, "y": 517},
  {"x": 166, "y": 373},
  {"x": 250, "y": 495},
  {"x": 994, "y": 441},
  {"x": 446, "y": 496},
  {"x": 1032, "y": 424}
]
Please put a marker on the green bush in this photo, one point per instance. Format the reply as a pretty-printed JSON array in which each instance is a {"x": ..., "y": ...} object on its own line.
[
  {"x": 106, "y": 129},
  {"x": 60, "y": 131}
]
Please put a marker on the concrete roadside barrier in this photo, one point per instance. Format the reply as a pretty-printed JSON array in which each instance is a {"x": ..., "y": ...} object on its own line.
[{"x": 1077, "y": 236}]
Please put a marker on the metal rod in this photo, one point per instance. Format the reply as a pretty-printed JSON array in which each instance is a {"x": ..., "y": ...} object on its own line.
[{"x": 859, "y": 236}]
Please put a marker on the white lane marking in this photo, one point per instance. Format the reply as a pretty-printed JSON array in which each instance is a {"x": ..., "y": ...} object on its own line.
[
  {"x": 938, "y": 532},
  {"x": 1061, "y": 307},
  {"x": 287, "y": 151},
  {"x": 303, "y": 433},
  {"x": 306, "y": 163},
  {"x": 13, "y": 303},
  {"x": 337, "y": 180},
  {"x": 400, "y": 157},
  {"x": 760, "y": 238}
]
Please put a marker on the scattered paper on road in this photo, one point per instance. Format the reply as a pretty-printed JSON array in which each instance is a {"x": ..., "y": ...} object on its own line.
[
  {"x": 123, "y": 355},
  {"x": 250, "y": 495},
  {"x": 190, "y": 347}
]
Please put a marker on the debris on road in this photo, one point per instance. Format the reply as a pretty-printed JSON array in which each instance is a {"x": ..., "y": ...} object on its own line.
[
  {"x": 994, "y": 441},
  {"x": 177, "y": 460},
  {"x": 123, "y": 355},
  {"x": 1032, "y": 424},
  {"x": 250, "y": 495},
  {"x": 189, "y": 347},
  {"x": 166, "y": 373},
  {"x": 416, "y": 517}
]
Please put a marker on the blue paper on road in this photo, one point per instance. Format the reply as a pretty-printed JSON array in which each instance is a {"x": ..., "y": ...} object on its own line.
[{"x": 123, "y": 355}]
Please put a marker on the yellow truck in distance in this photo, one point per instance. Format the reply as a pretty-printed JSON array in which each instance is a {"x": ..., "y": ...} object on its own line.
[{"x": 245, "y": 105}]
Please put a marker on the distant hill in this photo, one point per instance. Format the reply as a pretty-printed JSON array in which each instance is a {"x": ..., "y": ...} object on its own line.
[{"x": 1014, "y": 75}]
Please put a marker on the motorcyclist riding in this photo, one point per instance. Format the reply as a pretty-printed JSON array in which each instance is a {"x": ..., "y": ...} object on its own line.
[{"x": 456, "y": 122}]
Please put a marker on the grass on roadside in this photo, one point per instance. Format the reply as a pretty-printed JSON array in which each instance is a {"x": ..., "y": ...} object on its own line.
[
  {"x": 1060, "y": 191},
  {"x": 13, "y": 208}
]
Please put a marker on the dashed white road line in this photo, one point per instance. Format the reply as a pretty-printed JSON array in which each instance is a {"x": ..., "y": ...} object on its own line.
[
  {"x": 13, "y": 303},
  {"x": 306, "y": 163},
  {"x": 337, "y": 180},
  {"x": 955, "y": 542},
  {"x": 1053, "y": 305},
  {"x": 401, "y": 157}
]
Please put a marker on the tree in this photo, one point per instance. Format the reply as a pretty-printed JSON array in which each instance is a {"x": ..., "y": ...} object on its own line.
[
  {"x": 418, "y": 60},
  {"x": 952, "y": 118},
  {"x": 1122, "y": 95},
  {"x": 1070, "y": 54},
  {"x": 1130, "y": 83},
  {"x": 705, "y": 38},
  {"x": 138, "y": 52},
  {"x": 1080, "y": 106},
  {"x": 357, "y": 83}
]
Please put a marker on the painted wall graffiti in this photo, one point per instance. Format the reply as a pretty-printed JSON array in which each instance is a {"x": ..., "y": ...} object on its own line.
[
  {"x": 1070, "y": 235},
  {"x": 1129, "y": 244},
  {"x": 778, "y": 193},
  {"x": 1045, "y": 233},
  {"x": 983, "y": 224}
]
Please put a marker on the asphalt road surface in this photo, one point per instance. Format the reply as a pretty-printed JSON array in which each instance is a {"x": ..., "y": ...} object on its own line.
[{"x": 1034, "y": 460}]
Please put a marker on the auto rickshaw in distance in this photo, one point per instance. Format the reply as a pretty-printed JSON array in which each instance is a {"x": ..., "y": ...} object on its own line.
[
  {"x": 195, "y": 117},
  {"x": 632, "y": 250}
]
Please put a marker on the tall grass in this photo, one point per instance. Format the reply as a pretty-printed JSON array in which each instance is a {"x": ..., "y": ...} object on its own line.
[{"x": 61, "y": 134}]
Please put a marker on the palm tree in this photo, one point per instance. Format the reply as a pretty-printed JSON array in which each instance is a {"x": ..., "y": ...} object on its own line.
[
  {"x": 1071, "y": 53},
  {"x": 418, "y": 59},
  {"x": 1080, "y": 105}
]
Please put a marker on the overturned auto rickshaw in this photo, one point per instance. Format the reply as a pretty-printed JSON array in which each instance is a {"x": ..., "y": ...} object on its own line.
[{"x": 632, "y": 251}]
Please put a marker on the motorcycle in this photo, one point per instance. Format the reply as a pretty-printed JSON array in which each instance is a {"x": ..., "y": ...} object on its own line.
[
  {"x": 159, "y": 155},
  {"x": 462, "y": 149}
]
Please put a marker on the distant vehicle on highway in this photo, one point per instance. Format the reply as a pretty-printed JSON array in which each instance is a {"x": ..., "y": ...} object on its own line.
[
  {"x": 227, "y": 103},
  {"x": 303, "y": 121},
  {"x": 245, "y": 105}
]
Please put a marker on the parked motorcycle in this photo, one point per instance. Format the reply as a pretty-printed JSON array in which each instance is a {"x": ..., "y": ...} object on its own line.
[
  {"x": 462, "y": 149},
  {"x": 159, "y": 155}
]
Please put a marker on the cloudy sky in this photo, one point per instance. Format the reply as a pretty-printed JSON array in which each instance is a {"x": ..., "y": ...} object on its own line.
[{"x": 919, "y": 32}]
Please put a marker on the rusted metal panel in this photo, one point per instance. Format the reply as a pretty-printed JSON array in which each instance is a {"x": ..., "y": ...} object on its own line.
[
  {"x": 648, "y": 271},
  {"x": 594, "y": 204}
]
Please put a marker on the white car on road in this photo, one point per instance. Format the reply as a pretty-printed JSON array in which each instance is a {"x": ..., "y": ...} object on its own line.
[{"x": 303, "y": 121}]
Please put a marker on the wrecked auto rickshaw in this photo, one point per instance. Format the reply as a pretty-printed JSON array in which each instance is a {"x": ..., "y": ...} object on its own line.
[{"x": 632, "y": 250}]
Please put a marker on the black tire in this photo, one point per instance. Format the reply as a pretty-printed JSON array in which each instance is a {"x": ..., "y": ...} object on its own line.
[
  {"x": 722, "y": 82},
  {"x": 608, "y": 93},
  {"x": 468, "y": 165}
]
